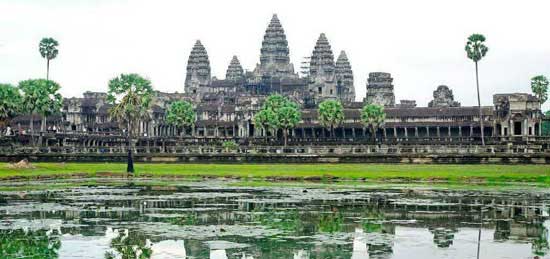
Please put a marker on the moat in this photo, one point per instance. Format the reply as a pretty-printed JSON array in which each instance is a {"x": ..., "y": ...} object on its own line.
[{"x": 227, "y": 219}]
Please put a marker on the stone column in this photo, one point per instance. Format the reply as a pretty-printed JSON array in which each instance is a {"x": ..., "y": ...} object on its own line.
[
  {"x": 438, "y": 133},
  {"x": 428, "y": 131},
  {"x": 471, "y": 131},
  {"x": 406, "y": 132},
  {"x": 460, "y": 131},
  {"x": 416, "y": 132}
]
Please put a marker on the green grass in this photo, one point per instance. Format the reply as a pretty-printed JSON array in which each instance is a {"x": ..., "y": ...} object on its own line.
[{"x": 382, "y": 172}]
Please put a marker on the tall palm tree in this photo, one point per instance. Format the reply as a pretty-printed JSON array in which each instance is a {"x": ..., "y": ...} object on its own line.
[
  {"x": 131, "y": 96},
  {"x": 476, "y": 50},
  {"x": 48, "y": 50}
]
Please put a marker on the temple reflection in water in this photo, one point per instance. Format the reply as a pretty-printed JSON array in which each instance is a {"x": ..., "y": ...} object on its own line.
[{"x": 246, "y": 223}]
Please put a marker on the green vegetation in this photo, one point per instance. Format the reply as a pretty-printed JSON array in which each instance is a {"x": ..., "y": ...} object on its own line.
[
  {"x": 48, "y": 50},
  {"x": 374, "y": 172},
  {"x": 40, "y": 96},
  {"x": 181, "y": 114},
  {"x": 539, "y": 86},
  {"x": 278, "y": 112},
  {"x": 373, "y": 117},
  {"x": 10, "y": 101},
  {"x": 131, "y": 96},
  {"x": 230, "y": 145},
  {"x": 476, "y": 50},
  {"x": 331, "y": 114}
]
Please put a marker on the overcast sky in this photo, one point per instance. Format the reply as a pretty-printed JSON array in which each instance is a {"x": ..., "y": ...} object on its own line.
[{"x": 421, "y": 42}]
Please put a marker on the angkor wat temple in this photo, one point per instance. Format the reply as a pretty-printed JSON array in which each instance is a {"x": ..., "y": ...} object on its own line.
[{"x": 226, "y": 107}]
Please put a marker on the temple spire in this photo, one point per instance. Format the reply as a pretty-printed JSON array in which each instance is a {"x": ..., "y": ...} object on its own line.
[
  {"x": 322, "y": 59},
  {"x": 344, "y": 78},
  {"x": 274, "y": 54},
  {"x": 198, "y": 69},
  {"x": 235, "y": 70}
]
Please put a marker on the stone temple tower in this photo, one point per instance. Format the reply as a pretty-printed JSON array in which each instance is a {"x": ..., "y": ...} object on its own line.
[
  {"x": 344, "y": 78},
  {"x": 198, "y": 69},
  {"x": 380, "y": 89},
  {"x": 235, "y": 71},
  {"x": 322, "y": 70},
  {"x": 274, "y": 58}
]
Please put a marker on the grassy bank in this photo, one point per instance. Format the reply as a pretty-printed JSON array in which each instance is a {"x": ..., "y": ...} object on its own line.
[{"x": 374, "y": 172}]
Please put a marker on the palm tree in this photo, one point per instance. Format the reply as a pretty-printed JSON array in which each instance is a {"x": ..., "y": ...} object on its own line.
[
  {"x": 287, "y": 118},
  {"x": 539, "y": 86},
  {"x": 373, "y": 117},
  {"x": 131, "y": 96},
  {"x": 476, "y": 50},
  {"x": 40, "y": 96},
  {"x": 331, "y": 114},
  {"x": 10, "y": 102},
  {"x": 266, "y": 119},
  {"x": 48, "y": 50},
  {"x": 181, "y": 114}
]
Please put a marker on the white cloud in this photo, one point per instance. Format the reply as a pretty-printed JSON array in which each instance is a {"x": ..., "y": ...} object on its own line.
[{"x": 419, "y": 42}]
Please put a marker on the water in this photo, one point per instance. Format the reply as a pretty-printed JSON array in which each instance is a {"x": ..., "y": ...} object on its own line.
[{"x": 214, "y": 220}]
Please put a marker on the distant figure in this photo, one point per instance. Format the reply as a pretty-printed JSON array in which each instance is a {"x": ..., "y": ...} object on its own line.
[{"x": 8, "y": 131}]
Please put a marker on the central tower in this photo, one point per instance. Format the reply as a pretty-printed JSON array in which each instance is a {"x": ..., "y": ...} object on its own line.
[{"x": 274, "y": 54}]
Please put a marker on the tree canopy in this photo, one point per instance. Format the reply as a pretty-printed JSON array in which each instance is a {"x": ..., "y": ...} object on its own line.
[
  {"x": 373, "y": 116},
  {"x": 48, "y": 48},
  {"x": 331, "y": 114},
  {"x": 539, "y": 86},
  {"x": 131, "y": 96},
  {"x": 278, "y": 112},
  {"x": 475, "y": 47},
  {"x": 10, "y": 101},
  {"x": 181, "y": 114},
  {"x": 40, "y": 96}
]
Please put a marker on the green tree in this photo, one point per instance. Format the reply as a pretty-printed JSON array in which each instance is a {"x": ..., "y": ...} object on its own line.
[
  {"x": 275, "y": 101},
  {"x": 331, "y": 114},
  {"x": 373, "y": 117},
  {"x": 539, "y": 86},
  {"x": 10, "y": 102},
  {"x": 131, "y": 96},
  {"x": 278, "y": 112},
  {"x": 48, "y": 50},
  {"x": 40, "y": 96},
  {"x": 287, "y": 118},
  {"x": 181, "y": 114},
  {"x": 476, "y": 50},
  {"x": 267, "y": 120}
]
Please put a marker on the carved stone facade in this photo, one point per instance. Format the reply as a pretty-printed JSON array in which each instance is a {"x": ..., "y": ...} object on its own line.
[
  {"x": 344, "y": 79},
  {"x": 274, "y": 54},
  {"x": 198, "y": 69},
  {"x": 443, "y": 97},
  {"x": 517, "y": 114},
  {"x": 235, "y": 70},
  {"x": 322, "y": 70},
  {"x": 380, "y": 89}
]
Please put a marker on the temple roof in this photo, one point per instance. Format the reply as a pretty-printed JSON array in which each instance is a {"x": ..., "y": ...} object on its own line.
[
  {"x": 322, "y": 58},
  {"x": 235, "y": 70},
  {"x": 198, "y": 64},
  {"x": 274, "y": 58}
]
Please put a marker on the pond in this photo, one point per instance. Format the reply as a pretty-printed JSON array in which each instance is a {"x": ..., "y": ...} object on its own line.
[{"x": 220, "y": 219}]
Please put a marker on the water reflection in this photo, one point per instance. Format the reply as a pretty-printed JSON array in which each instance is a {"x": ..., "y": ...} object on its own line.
[{"x": 201, "y": 221}]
